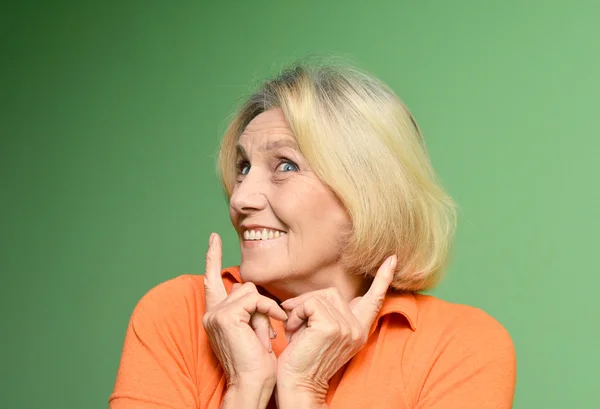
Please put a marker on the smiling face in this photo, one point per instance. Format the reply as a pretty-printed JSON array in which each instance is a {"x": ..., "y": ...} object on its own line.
[{"x": 289, "y": 222}]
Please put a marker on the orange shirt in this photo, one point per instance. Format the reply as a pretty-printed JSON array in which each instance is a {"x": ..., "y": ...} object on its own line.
[{"x": 423, "y": 353}]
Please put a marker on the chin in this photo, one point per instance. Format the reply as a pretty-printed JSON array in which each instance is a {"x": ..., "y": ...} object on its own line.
[{"x": 258, "y": 273}]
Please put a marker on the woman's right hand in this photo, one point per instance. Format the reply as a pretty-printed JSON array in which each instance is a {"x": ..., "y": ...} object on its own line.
[{"x": 238, "y": 326}]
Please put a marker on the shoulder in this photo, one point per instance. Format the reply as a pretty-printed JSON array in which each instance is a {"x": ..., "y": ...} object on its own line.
[
  {"x": 457, "y": 319},
  {"x": 183, "y": 285},
  {"x": 180, "y": 299},
  {"x": 171, "y": 294},
  {"x": 463, "y": 330},
  {"x": 172, "y": 301},
  {"x": 458, "y": 353}
]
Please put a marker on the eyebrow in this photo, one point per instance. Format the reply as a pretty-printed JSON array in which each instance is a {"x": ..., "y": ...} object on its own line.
[{"x": 271, "y": 146}]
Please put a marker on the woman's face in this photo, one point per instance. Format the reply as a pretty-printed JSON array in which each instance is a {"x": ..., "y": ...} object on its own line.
[{"x": 289, "y": 223}]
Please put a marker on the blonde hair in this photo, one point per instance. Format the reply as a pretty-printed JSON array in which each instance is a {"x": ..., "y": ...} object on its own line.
[{"x": 363, "y": 142}]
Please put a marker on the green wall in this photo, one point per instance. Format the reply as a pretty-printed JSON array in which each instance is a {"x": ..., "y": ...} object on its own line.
[{"x": 111, "y": 114}]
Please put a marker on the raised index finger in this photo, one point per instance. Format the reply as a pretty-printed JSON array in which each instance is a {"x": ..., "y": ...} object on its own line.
[
  {"x": 367, "y": 308},
  {"x": 214, "y": 288}
]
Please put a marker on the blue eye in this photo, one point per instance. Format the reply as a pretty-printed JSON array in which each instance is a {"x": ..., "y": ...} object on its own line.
[
  {"x": 243, "y": 167},
  {"x": 288, "y": 166}
]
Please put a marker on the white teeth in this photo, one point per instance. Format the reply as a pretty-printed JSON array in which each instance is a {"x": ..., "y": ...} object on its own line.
[{"x": 263, "y": 234}]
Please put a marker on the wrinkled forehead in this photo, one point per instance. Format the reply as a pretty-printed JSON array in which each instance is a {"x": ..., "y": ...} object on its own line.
[
  {"x": 267, "y": 132},
  {"x": 265, "y": 145}
]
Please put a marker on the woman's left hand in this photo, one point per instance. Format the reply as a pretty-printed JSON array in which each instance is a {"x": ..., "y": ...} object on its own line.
[{"x": 325, "y": 332}]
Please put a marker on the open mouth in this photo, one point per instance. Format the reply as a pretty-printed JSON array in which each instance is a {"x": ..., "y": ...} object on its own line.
[{"x": 262, "y": 234}]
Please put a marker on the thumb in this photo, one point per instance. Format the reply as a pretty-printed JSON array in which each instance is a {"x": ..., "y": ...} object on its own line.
[
  {"x": 261, "y": 325},
  {"x": 367, "y": 307}
]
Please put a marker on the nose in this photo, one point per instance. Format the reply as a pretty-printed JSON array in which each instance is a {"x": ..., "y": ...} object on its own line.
[{"x": 249, "y": 195}]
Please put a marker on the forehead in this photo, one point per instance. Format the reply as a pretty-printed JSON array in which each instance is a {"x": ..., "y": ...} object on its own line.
[{"x": 267, "y": 131}]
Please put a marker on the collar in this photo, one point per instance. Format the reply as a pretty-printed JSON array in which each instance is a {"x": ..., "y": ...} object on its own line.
[
  {"x": 233, "y": 273},
  {"x": 395, "y": 302},
  {"x": 399, "y": 302}
]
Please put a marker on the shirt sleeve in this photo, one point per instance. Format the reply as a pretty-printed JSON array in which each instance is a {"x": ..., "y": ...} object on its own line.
[
  {"x": 475, "y": 367},
  {"x": 158, "y": 362}
]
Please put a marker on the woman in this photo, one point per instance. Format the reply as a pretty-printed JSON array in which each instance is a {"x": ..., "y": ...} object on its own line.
[{"x": 341, "y": 222}]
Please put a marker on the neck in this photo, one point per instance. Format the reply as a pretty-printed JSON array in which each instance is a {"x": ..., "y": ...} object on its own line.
[{"x": 349, "y": 286}]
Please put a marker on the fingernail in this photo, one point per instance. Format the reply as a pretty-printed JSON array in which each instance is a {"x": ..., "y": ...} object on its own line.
[
  {"x": 211, "y": 239},
  {"x": 272, "y": 333},
  {"x": 393, "y": 261}
]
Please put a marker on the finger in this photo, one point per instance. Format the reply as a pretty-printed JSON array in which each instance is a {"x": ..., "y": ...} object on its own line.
[
  {"x": 292, "y": 336},
  {"x": 240, "y": 291},
  {"x": 330, "y": 294},
  {"x": 214, "y": 288},
  {"x": 313, "y": 309},
  {"x": 294, "y": 321},
  {"x": 261, "y": 325},
  {"x": 332, "y": 300},
  {"x": 255, "y": 303},
  {"x": 235, "y": 286},
  {"x": 296, "y": 317},
  {"x": 367, "y": 308},
  {"x": 292, "y": 303}
]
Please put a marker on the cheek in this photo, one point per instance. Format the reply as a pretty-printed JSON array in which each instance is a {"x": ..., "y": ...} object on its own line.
[
  {"x": 320, "y": 214},
  {"x": 234, "y": 217}
]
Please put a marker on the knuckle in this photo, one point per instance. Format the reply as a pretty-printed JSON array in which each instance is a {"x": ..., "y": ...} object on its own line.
[
  {"x": 271, "y": 303},
  {"x": 345, "y": 332},
  {"x": 220, "y": 319},
  {"x": 208, "y": 286},
  {"x": 356, "y": 335},
  {"x": 331, "y": 329},
  {"x": 312, "y": 302},
  {"x": 205, "y": 320},
  {"x": 377, "y": 301},
  {"x": 249, "y": 287}
]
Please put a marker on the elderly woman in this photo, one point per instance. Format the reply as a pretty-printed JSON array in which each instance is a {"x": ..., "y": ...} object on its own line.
[{"x": 341, "y": 223}]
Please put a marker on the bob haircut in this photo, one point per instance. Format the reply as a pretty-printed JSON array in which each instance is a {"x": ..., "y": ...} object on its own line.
[{"x": 363, "y": 143}]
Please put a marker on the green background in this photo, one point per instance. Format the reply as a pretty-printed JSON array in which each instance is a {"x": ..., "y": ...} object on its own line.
[{"x": 110, "y": 118}]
